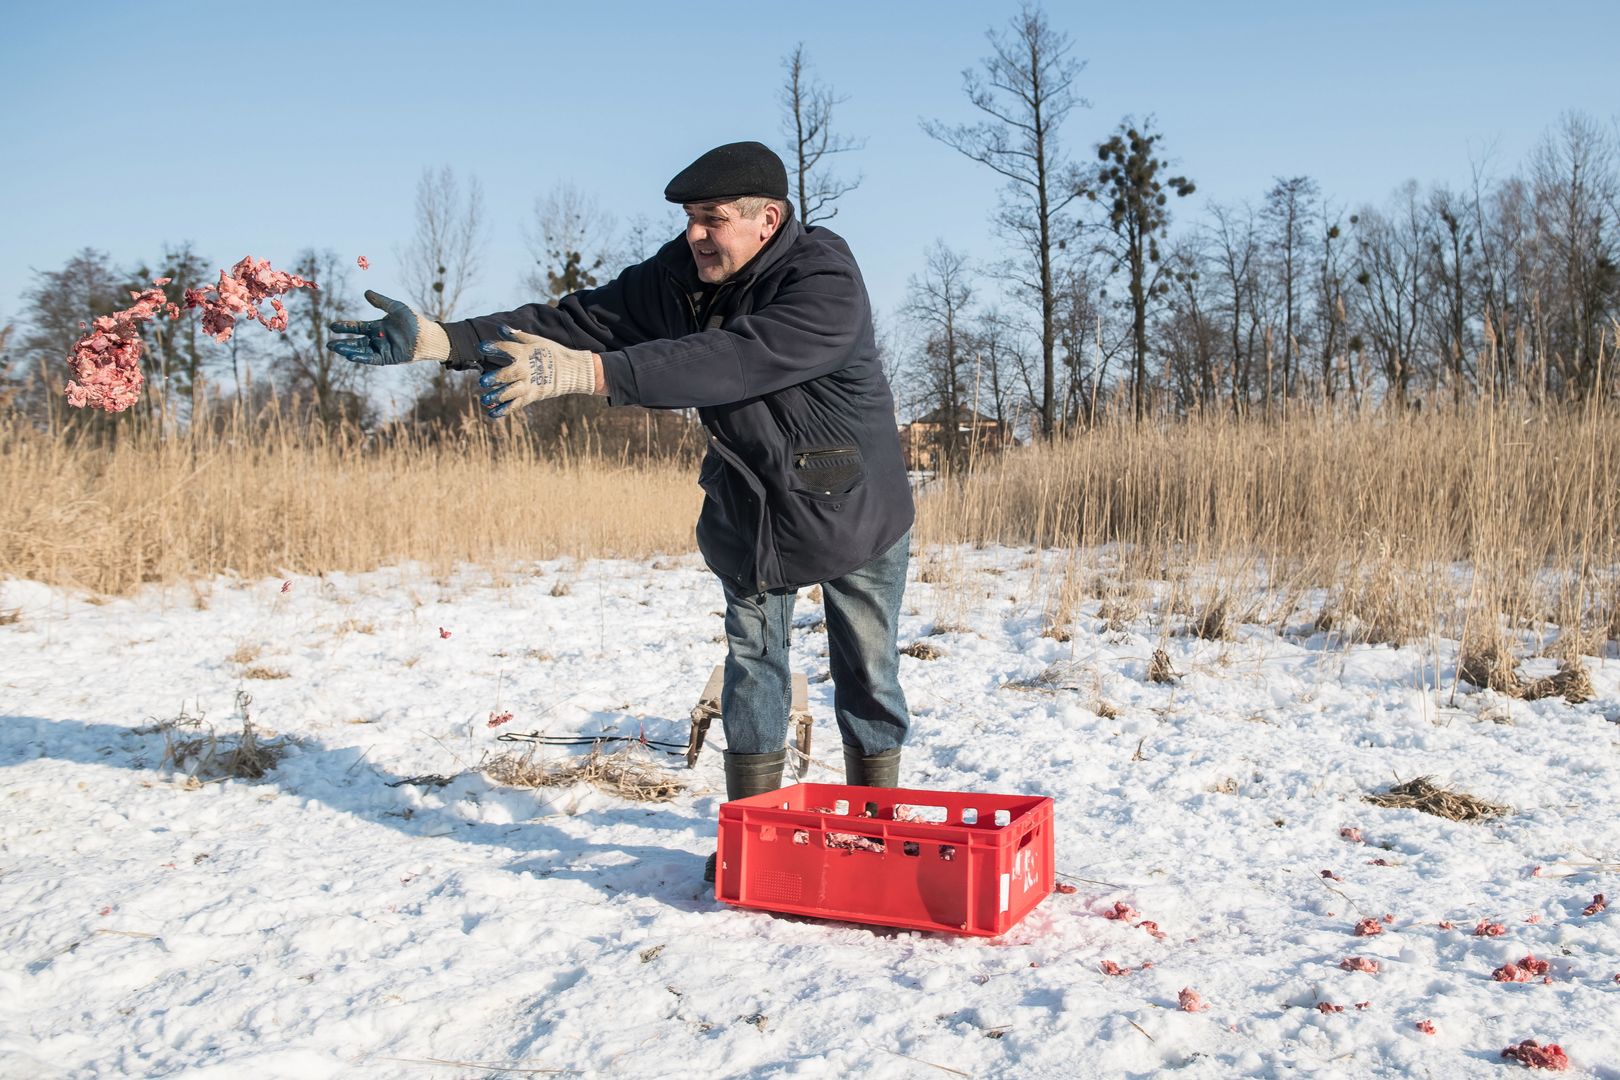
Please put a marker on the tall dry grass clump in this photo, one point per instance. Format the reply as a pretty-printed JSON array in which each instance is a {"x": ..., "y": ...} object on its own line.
[
  {"x": 1476, "y": 522},
  {"x": 265, "y": 496}
]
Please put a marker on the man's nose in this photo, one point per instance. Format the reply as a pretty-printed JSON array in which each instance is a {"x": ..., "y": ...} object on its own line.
[{"x": 695, "y": 232}]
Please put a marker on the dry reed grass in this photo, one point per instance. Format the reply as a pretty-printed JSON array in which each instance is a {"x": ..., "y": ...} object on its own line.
[
  {"x": 1159, "y": 668},
  {"x": 211, "y": 756},
  {"x": 268, "y": 497},
  {"x": 1409, "y": 524},
  {"x": 1423, "y": 794},
  {"x": 626, "y": 772},
  {"x": 1486, "y": 660},
  {"x": 922, "y": 650},
  {"x": 1406, "y": 525}
]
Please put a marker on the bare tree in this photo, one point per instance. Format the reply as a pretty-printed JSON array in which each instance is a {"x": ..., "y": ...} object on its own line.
[
  {"x": 1026, "y": 90},
  {"x": 1331, "y": 311},
  {"x": 54, "y": 311},
  {"x": 1452, "y": 274},
  {"x": 1190, "y": 333},
  {"x": 442, "y": 260},
  {"x": 1289, "y": 213},
  {"x": 644, "y": 235},
  {"x": 309, "y": 366},
  {"x": 573, "y": 243},
  {"x": 999, "y": 353},
  {"x": 1084, "y": 354},
  {"x": 1127, "y": 185},
  {"x": 937, "y": 304},
  {"x": 7, "y": 389},
  {"x": 1575, "y": 181},
  {"x": 177, "y": 353},
  {"x": 1236, "y": 247},
  {"x": 1391, "y": 259},
  {"x": 807, "y": 108}
]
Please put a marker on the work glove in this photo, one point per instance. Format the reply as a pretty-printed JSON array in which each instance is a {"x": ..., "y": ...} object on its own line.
[
  {"x": 399, "y": 337},
  {"x": 532, "y": 369}
]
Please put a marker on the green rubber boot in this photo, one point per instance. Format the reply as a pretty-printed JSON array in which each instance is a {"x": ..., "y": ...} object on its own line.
[
  {"x": 871, "y": 770},
  {"x": 749, "y": 774}
]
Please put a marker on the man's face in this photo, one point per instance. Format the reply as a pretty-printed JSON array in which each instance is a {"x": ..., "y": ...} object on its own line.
[{"x": 722, "y": 240}]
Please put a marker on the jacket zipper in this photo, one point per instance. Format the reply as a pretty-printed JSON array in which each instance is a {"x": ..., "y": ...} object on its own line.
[{"x": 805, "y": 458}]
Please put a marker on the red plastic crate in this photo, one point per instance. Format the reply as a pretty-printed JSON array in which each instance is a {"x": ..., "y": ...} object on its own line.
[{"x": 958, "y": 871}]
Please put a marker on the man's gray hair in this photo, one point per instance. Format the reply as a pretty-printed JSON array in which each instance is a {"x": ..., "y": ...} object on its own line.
[{"x": 751, "y": 206}]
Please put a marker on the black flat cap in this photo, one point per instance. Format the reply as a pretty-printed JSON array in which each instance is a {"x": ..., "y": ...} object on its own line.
[{"x": 731, "y": 171}]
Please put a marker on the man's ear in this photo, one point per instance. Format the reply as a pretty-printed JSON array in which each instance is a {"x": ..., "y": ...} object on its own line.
[{"x": 770, "y": 220}]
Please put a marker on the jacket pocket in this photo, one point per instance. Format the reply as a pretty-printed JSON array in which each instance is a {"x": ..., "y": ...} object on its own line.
[{"x": 828, "y": 470}]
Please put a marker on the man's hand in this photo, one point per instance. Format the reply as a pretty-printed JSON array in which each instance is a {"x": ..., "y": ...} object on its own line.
[
  {"x": 402, "y": 335},
  {"x": 532, "y": 369}
]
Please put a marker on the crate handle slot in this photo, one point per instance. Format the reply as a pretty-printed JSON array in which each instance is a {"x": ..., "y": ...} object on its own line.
[
  {"x": 911, "y": 847},
  {"x": 947, "y": 852}
]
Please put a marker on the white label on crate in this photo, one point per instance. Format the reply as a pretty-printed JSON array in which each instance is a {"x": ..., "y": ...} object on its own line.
[
  {"x": 1006, "y": 891},
  {"x": 1024, "y": 867},
  {"x": 921, "y": 815}
]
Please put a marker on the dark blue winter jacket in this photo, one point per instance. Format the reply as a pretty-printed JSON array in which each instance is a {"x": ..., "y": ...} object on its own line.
[{"x": 804, "y": 478}]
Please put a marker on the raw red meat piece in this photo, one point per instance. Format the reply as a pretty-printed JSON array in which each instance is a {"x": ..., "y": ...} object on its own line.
[
  {"x": 363, "y": 262},
  {"x": 1111, "y": 968},
  {"x": 1446, "y": 924},
  {"x": 1510, "y": 972},
  {"x": 1425, "y": 1026},
  {"x": 1363, "y": 1004},
  {"x": 1190, "y": 1000},
  {"x": 1369, "y": 928},
  {"x": 1534, "y": 1056},
  {"x": 1331, "y": 876},
  {"x": 1123, "y": 911},
  {"x": 852, "y": 842},
  {"x": 1328, "y": 1007},
  {"x": 1352, "y": 834},
  {"x": 240, "y": 292},
  {"x": 1599, "y": 902},
  {"x": 1359, "y": 963},
  {"x": 1486, "y": 928},
  {"x": 106, "y": 362},
  {"x": 443, "y": 633},
  {"x": 497, "y": 719},
  {"x": 1534, "y": 966},
  {"x": 1065, "y": 888},
  {"x": 1151, "y": 927},
  {"x": 1532, "y": 919}
]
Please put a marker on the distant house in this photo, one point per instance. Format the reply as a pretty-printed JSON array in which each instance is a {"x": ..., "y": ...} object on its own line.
[{"x": 928, "y": 439}]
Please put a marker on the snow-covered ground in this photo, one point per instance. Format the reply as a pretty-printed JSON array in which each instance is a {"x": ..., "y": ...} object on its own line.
[{"x": 321, "y": 922}]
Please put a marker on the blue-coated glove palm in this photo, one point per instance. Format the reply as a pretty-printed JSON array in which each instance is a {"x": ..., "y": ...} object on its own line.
[{"x": 402, "y": 335}]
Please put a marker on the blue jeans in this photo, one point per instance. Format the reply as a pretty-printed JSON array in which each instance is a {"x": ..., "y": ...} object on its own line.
[{"x": 863, "y": 617}]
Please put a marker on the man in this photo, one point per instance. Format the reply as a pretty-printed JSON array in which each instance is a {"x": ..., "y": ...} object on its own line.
[{"x": 764, "y": 326}]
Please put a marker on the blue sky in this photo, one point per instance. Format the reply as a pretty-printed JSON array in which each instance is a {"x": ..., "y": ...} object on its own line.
[{"x": 298, "y": 124}]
